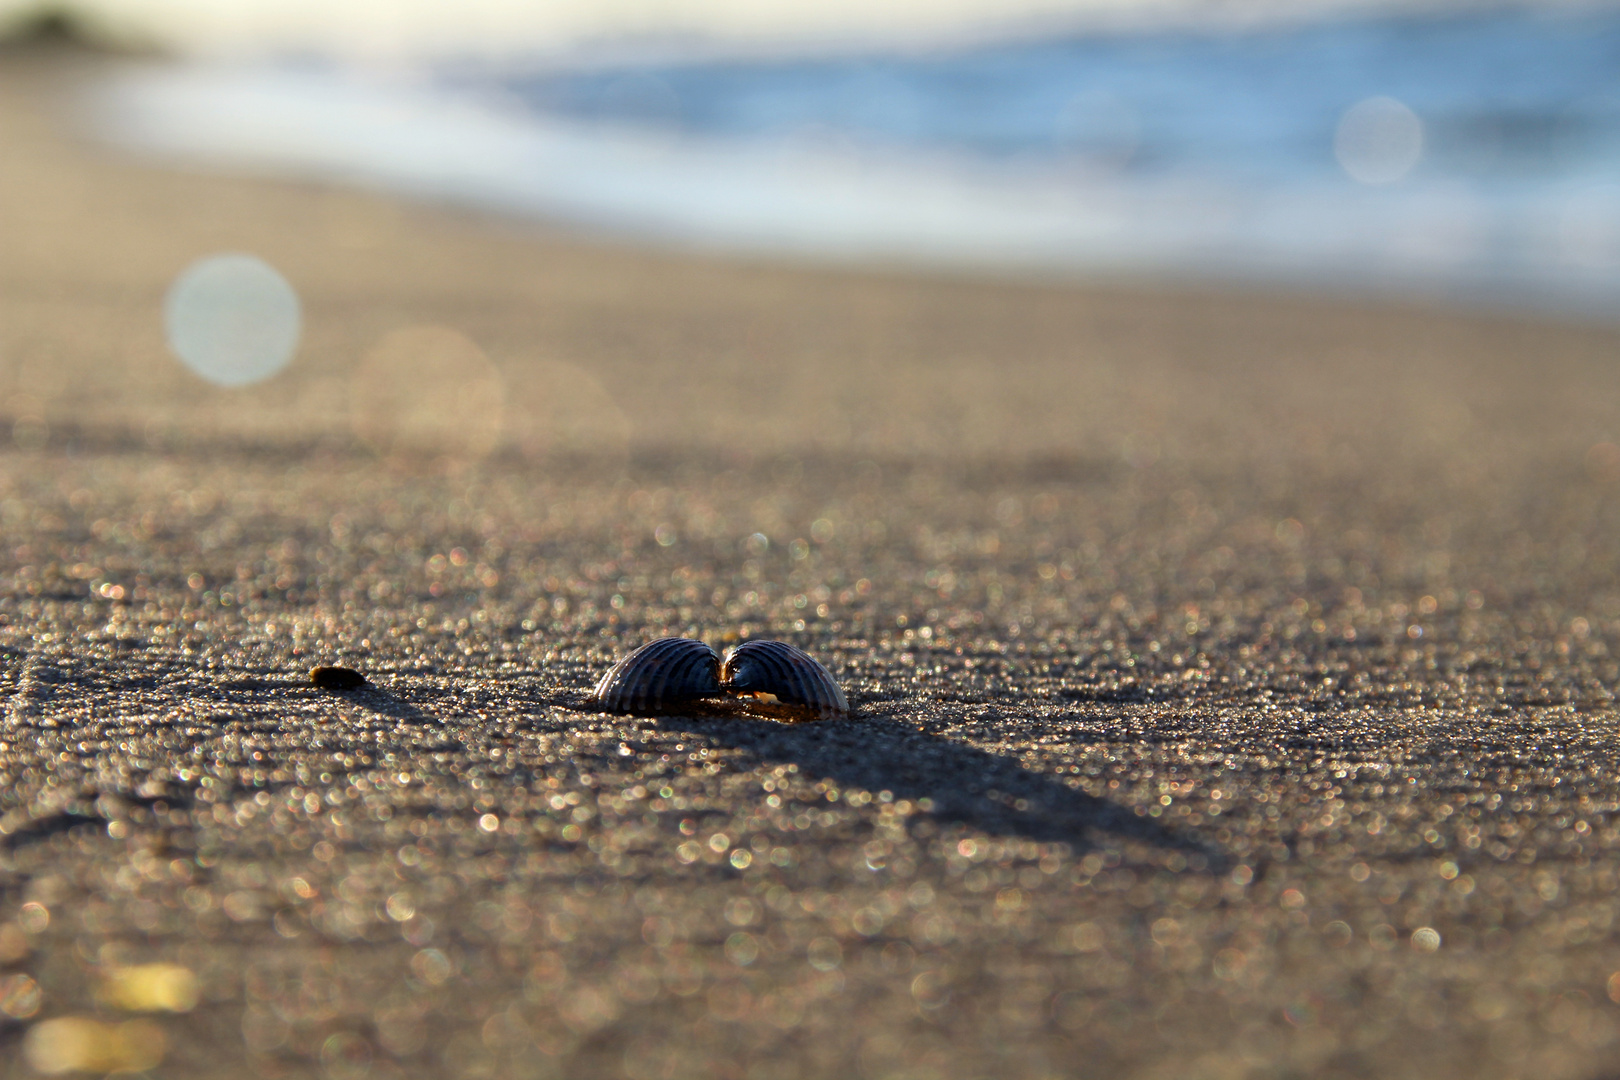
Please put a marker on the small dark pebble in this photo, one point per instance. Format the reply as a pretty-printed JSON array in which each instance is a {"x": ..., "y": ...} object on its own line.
[{"x": 336, "y": 678}]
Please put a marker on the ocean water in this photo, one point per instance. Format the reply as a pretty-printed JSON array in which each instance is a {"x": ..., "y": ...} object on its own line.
[{"x": 1470, "y": 155}]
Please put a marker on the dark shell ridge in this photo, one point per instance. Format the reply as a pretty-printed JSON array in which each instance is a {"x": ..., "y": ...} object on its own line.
[
  {"x": 660, "y": 676},
  {"x": 765, "y": 678},
  {"x": 790, "y": 675}
]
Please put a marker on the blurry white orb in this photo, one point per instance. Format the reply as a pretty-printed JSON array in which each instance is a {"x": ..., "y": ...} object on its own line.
[
  {"x": 232, "y": 319},
  {"x": 1378, "y": 140}
]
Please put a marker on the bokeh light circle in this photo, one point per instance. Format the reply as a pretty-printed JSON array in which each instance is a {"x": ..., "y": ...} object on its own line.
[
  {"x": 427, "y": 393},
  {"x": 1378, "y": 140},
  {"x": 232, "y": 319},
  {"x": 559, "y": 410}
]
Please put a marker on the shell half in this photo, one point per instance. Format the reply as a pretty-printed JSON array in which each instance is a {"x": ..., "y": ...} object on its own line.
[
  {"x": 775, "y": 669},
  {"x": 662, "y": 676}
]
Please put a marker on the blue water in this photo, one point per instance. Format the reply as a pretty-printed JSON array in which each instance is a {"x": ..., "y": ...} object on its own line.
[
  {"x": 1507, "y": 96},
  {"x": 1493, "y": 175}
]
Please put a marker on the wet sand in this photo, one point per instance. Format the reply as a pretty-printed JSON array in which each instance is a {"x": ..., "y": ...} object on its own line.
[{"x": 1232, "y": 672}]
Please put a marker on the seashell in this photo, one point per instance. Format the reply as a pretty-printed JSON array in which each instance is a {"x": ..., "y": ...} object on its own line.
[
  {"x": 660, "y": 677},
  {"x": 776, "y": 670},
  {"x": 762, "y": 678}
]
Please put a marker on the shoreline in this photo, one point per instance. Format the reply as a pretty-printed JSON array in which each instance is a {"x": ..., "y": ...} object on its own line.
[
  {"x": 825, "y": 352},
  {"x": 1461, "y": 235}
]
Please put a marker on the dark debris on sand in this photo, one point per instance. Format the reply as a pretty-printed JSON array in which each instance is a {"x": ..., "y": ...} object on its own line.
[{"x": 333, "y": 677}]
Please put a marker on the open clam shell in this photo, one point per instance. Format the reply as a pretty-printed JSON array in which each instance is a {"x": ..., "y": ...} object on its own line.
[
  {"x": 793, "y": 678},
  {"x": 660, "y": 677}
]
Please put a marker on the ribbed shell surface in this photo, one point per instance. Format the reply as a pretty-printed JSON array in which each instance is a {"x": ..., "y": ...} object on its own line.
[
  {"x": 660, "y": 677},
  {"x": 775, "y": 667}
]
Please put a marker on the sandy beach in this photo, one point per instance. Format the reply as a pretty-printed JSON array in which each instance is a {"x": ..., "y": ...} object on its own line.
[{"x": 1231, "y": 671}]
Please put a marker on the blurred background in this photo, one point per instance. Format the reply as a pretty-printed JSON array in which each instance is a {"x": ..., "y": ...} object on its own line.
[
  {"x": 610, "y": 229},
  {"x": 1469, "y": 151}
]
